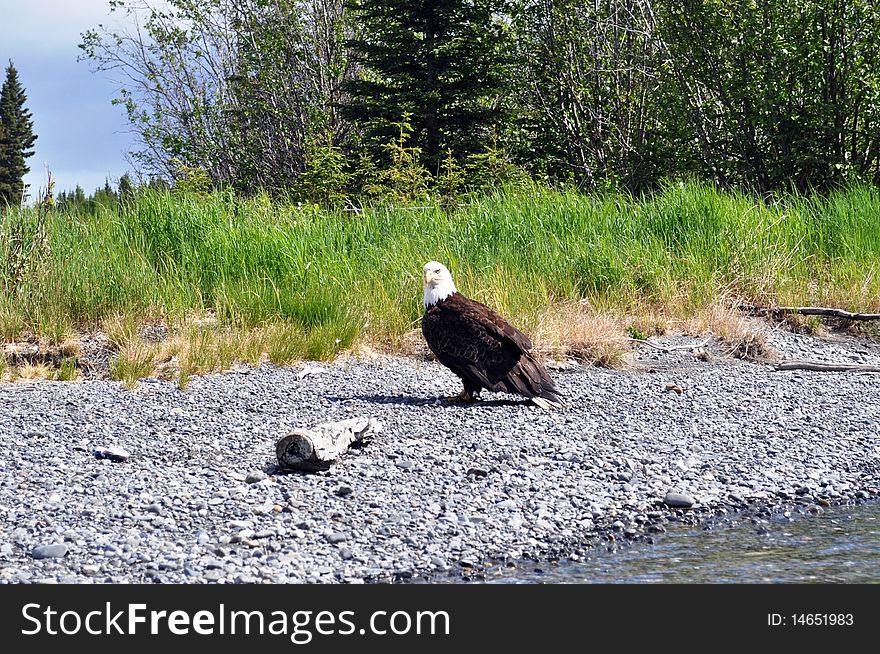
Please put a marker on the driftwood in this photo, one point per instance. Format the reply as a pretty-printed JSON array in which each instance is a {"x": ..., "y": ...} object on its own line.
[
  {"x": 810, "y": 311},
  {"x": 310, "y": 450},
  {"x": 817, "y": 366},
  {"x": 664, "y": 348}
]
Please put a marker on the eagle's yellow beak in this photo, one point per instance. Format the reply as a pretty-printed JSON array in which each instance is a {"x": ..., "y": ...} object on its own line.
[{"x": 429, "y": 277}]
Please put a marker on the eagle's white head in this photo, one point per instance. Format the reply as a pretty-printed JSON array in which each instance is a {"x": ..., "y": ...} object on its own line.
[{"x": 438, "y": 283}]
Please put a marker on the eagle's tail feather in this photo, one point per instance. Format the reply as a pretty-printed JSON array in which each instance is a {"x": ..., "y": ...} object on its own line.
[{"x": 548, "y": 400}]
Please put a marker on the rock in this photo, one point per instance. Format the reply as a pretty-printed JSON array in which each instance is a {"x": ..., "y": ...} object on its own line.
[
  {"x": 310, "y": 370},
  {"x": 678, "y": 500},
  {"x": 343, "y": 491},
  {"x": 54, "y": 551},
  {"x": 506, "y": 505},
  {"x": 336, "y": 537},
  {"x": 113, "y": 453},
  {"x": 477, "y": 472},
  {"x": 254, "y": 477}
]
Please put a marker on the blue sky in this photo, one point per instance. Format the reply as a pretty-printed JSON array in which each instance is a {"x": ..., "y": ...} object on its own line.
[{"x": 81, "y": 137}]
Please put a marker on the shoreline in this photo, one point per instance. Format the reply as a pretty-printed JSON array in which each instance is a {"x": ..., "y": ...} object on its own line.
[
  {"x": 440, "y": 490},
  {"x": 762, "y": 520}
]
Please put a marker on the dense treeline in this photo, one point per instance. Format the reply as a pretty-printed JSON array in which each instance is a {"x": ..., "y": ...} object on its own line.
[{"x": 339, "y": 100}]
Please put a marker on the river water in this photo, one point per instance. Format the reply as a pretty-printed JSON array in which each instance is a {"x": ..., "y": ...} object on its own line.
[{"x": 841, "y": 545}]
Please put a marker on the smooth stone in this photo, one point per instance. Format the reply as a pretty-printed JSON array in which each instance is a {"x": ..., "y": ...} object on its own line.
[
  {"x": 112, "y": 453},
  {"x": 678, "y": 500},
  {"x": 54, "y": 551}
]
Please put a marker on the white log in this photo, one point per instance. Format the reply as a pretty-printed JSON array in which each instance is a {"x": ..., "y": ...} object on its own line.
[{"x": 319, "y": 448}]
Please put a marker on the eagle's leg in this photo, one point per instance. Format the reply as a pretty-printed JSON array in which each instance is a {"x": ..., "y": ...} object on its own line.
[{"x": 467, "y": 396}]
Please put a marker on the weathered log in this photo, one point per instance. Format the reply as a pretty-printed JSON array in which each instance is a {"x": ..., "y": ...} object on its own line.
[
  {"x": 818, "y": 366},
  {"x": 664, "y": 348},
  {"x": 811, "y": 311},
  {"x": 310, "y": 450}
]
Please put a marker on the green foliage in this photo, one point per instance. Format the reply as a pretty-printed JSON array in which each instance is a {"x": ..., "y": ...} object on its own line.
[
  {"x": 67, "y": 370},
  {"x": 405, "y": 179},
  {"x": 608, "y": 95},
  {"x": 125, "y": 190},
  {"x": 24, "y": 250},
  {"x": 492, "y": 168},
  {"x": 16, "y": 139},
  {"x": 586, "y": 79},
  {"x": 443, "y": 62},
  {"x": 367, "y": 178},
  {"x": 774, "y": 95},
  {"x": 190, "y": 180},
  {"x": 450, "y": 183},
  {"x": 326, "y": 177},
  {"x": 765, "y": 96},
  {"x": 239, "y": 89},
  {"x": 131, "y": 367},
  {"x": 634, "y": 332}
]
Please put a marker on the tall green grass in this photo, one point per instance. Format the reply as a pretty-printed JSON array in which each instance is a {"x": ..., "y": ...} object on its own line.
[{"x": 331, "y": 278}]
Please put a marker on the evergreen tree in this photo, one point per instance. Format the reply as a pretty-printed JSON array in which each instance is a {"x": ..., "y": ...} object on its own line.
[
  {"x": 126, "y": 188},
  {"x": 442, "y": 62},
  {"x": 16, "y": 138}
]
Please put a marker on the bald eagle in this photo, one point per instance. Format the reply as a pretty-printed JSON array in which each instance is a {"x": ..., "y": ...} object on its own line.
[{"x": 480, "y": 346}]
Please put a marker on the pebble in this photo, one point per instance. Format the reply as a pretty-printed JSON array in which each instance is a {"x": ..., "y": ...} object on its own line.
[
  {"x": 254, "y": 477},
  {"x": 111, "y": 453},
  {"x": 678, "y": 500},
  {"x": 54, "y": 551}
]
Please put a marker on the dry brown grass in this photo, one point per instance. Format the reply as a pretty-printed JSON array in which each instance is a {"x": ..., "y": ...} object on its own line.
[
  {"x": 744, "y": 336},
  {"x": 70, "y": 346},
  {"x": 572, "y": 330},
  {"x": 35, "y": 372},
  {"x": 198, "y": 344}
]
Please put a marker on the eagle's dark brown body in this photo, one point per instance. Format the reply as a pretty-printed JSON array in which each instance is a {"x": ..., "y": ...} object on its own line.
[{"x": 484, "y": 350}]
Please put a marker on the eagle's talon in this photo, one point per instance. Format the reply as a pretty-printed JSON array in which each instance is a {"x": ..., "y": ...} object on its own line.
[{"x": 465, "y": 397}]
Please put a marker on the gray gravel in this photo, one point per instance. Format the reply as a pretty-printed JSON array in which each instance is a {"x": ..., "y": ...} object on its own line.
[{"x": 441, "y": 490}]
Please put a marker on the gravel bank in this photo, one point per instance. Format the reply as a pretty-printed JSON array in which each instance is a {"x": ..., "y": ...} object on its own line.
[{"x": 442, "y": 489}]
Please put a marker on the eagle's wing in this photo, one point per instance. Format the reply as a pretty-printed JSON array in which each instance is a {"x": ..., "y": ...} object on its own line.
[{"x": 497, "y": 326}]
